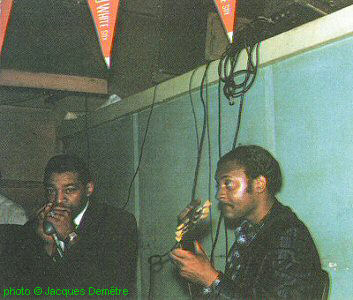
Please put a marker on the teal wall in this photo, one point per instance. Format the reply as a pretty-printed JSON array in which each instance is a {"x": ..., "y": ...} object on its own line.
[
  {"x": 300, "y": 108},
  {"x": 105, "y": 143}
]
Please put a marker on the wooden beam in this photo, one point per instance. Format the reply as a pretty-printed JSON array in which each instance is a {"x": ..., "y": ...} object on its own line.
[{"x": 53, "y": 81}]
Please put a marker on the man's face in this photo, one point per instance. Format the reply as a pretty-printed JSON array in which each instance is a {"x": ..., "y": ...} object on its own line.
[
  {"x": 66, "y": 190},
  {"x": 235, "y": 194}
]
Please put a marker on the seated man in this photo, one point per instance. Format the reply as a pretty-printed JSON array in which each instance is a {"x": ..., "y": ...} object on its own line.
[
  {"x": 273, "y": 256},
  {"x": 96, "y": 245}
]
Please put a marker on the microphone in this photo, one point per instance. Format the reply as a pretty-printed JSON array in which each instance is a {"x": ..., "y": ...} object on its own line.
[
  {"x": 49, "y": 229},
  {"x": 188, "y": 211}
]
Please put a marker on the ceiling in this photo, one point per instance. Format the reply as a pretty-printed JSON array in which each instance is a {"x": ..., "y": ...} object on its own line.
[{"x": 155, "y": 40}]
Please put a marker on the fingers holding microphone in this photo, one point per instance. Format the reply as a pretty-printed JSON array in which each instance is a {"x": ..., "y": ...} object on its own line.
[
  {"x": 61, "y": 218},
  {"x": 194, "y": 267}
]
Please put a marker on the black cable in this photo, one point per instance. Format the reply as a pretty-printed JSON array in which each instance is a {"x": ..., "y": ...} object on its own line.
[
  {"x": 219, "y": 120},
  {"x": 158, "y": 263},
  {"x": 234, "y": 87},
  {"x": 209, "y": 157},
  {"x": 226, "y": 238},
  {"x": 214, "y": 243},
  {"x": 203, "y": 133},
  {"x": 219, "y": 156},
  {"x": 231, "y": 90},
  {"x": 238, "y": 122},
  {"x": 193, "y": 110},
  {"x": 142, "y": 147},
  {"x": 216, "y": 239},
  {"x": 199, "y": 152},
  {"x": 226, "y": 70},
  {"x": 87, "y": 134}
]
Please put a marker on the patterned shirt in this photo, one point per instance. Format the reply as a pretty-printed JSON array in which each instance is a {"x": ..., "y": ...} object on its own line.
[{"x": 244, "y": 234}]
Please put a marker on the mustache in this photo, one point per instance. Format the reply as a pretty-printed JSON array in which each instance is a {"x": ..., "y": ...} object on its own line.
[{"x": 222, "y": 205}]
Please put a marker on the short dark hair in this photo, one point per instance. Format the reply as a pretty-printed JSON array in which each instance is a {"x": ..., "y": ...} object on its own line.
[
  {"x": 256, "y": 161},
  {"x": 67, "y": 163}
]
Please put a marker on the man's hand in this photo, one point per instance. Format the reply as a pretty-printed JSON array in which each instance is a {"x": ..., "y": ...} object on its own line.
[
  {"x": 195, "y": 267},
  {"x": 60, "y": 217}
]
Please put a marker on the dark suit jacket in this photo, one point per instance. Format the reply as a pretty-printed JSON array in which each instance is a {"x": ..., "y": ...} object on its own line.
[{"x": 104, "y": 256}]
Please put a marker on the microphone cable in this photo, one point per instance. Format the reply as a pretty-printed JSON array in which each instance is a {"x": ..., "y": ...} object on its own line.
[
  {"x": 142, "y": 148},
  {"x": 203, "y": 133},
  {"x": 236, "y": 85},
  {"x": 158, "y": 262},
  {"x": 157, "y": 259},
  {"x": 88, "y": 158},
  {"x": 193, "y": 110}
]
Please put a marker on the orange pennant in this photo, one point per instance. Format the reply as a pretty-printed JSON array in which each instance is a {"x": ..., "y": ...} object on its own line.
[
  {"x": 227, "y": 12},
  {"x": 5, "y": 9},
  {"x": 105, "y": 15}
]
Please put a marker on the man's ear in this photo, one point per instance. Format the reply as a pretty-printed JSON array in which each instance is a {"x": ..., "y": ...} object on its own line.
[
  {"x": 260, "y": 184},
  {"x": 89, "y": 188}
]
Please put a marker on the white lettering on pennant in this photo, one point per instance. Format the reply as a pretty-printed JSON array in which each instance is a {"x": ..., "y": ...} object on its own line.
[{"x": 103, "y": 15}]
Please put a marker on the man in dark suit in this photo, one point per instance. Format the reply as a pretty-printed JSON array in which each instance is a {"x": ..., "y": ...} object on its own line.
[
  {"x": 273, "y": 256},
  {"x": 75, "y": 245}
]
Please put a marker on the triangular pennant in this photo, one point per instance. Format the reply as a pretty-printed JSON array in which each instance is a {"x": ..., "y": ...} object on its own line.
[
  {"x": 227, "y": 11},
  {"x": 5, "y": 10},
  {"x": 105, "y": 14}
]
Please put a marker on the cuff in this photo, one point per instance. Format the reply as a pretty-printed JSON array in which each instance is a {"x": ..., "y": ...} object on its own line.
[{"x": 213, "y": 288}]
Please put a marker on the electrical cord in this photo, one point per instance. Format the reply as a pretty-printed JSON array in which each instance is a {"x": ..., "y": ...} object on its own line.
[
  {"x": 231, "y": 90},
  {"x": 203, "y": 133},
  {"x": 234, "y": 87},
  {"x": 193, "y": 110},
  {"x": 209, "y": 156},
  {"x": 219, "y": 120},
  {"x": 226, "y": 238},
  {"x": 200, "y": 143},
  {"x": 236, "y": 84},
  {"x": 142, "y": 147},
  {"x": 238, "y": 121},
  {"x": 220, "y": 155},
  {"x": 158, "y": 262},
  {"x": 88, "y": 158},
  {"x": 216, "y": 238}
]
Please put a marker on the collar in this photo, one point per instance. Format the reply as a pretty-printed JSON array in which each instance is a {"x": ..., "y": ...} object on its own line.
[
  {"x": 274, "y": 210},
  {"x": 246, "y": 232},
  {"x": 78, "y": 218}
]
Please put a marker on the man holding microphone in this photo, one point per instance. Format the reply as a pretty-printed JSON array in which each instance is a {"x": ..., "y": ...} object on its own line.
[{"x": 75, "y": 242}]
